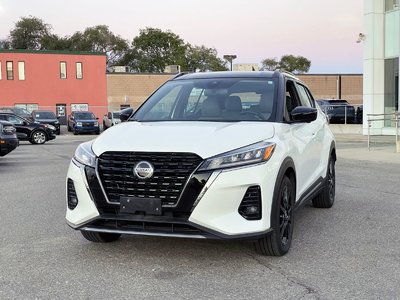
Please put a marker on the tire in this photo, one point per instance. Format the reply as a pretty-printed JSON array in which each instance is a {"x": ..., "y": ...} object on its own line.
[
  {"x": 278, "y": 242},
  {"x": 326, "y": 197},
  {"x": 38, "y": 137},
  {"x": 75, "y": 132},
  {"x": 69, "y": 128},
  {"x": 97, "y": 132},
  {"x": 100, "y": 237}
]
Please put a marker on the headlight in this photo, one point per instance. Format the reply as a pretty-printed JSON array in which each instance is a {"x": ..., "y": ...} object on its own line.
[
  {"x": 51, "y": 127},
  {"x": 85, "y": 155},
  {"x": 78, "y": 123},
  {"x": 96, "y": 123},
  {"x": 252, "y": 154}
]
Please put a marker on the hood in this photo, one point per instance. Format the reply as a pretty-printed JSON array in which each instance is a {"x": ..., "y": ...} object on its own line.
[
  {"x": 46, "y": 120},
  {"x": 86, "y": 120},
  {"x": 206, "y": 139}
]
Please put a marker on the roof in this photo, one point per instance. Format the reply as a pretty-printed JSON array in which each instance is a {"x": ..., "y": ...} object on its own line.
[
  {"x": 51, "y": 52},
  {"x": 226, "y": 74}
]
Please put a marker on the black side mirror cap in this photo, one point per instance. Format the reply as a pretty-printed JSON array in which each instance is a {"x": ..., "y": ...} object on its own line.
[
  {"x": 125, "y": 114},
  {"x": 304, "y": 114}
]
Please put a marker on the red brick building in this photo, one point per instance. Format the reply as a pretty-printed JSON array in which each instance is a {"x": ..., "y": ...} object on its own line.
[{"x": 54, "y": 80}]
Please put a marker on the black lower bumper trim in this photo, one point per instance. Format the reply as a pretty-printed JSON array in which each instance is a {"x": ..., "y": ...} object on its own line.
[{"x": 160, "y": 226}]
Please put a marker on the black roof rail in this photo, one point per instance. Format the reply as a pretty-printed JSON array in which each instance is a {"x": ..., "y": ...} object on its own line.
[
  {"x": 287, "y": 73},
  {"x": 179, "y": 75}
]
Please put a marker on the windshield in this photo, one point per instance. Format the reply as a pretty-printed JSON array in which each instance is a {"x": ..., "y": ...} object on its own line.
[
  {"x": 84, "y": 116},
  {"x": 44, "y": 115},
  {"x": 116, "y": 115},
  {"x": 20, "y": 110},
  {"x": 216, "y": 99}
]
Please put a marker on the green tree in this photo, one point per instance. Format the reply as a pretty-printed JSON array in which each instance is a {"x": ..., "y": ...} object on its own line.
[
  {"x": 295, "y": 64},
  {"x": 269, "y": 64},
  {"x": 5, "y": 44},
  {"x": 29, "y": 33},
  {"x": 154, "y": 49},
  {"x": 99, "y": 39},
  {"x": 290, "y": 63},
  {"x": 54, "y": 42},
  {"x": 201, "y": 58}
]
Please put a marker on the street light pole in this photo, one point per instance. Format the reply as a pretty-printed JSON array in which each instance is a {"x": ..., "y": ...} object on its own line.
[{"x": 230, "y": 58}]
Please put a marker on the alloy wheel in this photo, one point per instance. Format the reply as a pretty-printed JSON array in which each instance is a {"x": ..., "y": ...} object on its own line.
[
  {"x": 285, "y": 215},
  {"x": 39, "y": 137}
]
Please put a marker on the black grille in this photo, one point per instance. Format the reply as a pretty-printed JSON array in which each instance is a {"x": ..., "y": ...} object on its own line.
[
  {"x": 88, "y": 124},
  {"x": 250, "y": 207},
  {"x": 71, "y": 195},
  {"x": 171, "y": 172}
]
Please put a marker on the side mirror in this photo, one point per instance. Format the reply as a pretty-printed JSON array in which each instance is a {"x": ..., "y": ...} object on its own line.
[
  {"x": 97, "y": 118},
  {"x": 125, "y": 114},
  {"x": 303, "y": 114}
]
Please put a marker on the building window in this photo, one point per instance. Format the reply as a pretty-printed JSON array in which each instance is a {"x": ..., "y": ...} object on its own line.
[
  {"x": 21, "y": 70},
  {"x": 391, "y": 4},
  {"x": 63, "y": 70},
  {"x": 27, "y": 107},
  {"x": 79, "y": 74},
  {"x": 80, "y": 107},
  {"x": 10, "y": 71}
]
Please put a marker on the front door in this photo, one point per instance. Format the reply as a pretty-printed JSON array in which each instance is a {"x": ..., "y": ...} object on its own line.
[{"x": 61, "y": 113}]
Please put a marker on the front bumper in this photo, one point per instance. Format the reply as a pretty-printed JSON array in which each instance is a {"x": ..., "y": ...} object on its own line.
[
  {"x": 206, "y": 211},
  {"x": 51, "y": 135},
  {"x": 7, "y": 145},
  {"x": 81, "y": 129}
]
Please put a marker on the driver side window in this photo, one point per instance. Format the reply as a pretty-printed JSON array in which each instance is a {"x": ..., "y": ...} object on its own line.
[
  {"x": 292, "y": 99},
  {"x": 15, "y": 120}
]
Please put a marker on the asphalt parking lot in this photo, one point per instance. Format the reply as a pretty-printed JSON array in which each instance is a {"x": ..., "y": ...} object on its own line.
[{"x": 351, "y": 251}]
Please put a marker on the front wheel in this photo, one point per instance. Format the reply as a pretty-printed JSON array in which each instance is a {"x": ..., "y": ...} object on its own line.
[
  {"x": 38, "y": 137},
  {"x": 278, "y": 242},
  {"x": 326, "y": 197},
  {"x": 100, "y": 237}
]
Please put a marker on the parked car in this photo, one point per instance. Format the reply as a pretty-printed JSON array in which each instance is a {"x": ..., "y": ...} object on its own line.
[
  {"x": 8, "y": 138},
  {"x": 197, "y": 164},
  {"x": 46, "y": 117},
  {"x": 111, "y": 119},
  {"x": 359, "y": 114},
  {"x": 19, "y": 111},
  {"x": 83, "y": 122},
  {"x": 337, "y": 110},
  {"x": 28, "y": 130}
]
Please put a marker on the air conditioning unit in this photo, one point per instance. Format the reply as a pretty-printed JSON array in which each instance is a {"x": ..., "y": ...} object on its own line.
[{"x": 172, "y": 69}]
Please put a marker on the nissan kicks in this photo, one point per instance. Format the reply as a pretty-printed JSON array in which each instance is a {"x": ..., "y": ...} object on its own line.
[{"x": 224, "y": 155}]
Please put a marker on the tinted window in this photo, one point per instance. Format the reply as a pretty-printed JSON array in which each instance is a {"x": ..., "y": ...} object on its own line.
[
  {"x": 84, "y": 116},
  {"x": 44, "y": 115}
]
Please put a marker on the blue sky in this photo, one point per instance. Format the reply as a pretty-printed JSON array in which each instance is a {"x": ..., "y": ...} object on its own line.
[{"x": 323, "y": 31}]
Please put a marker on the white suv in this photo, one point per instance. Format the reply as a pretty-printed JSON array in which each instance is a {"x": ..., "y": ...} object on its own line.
[{"x": 225, "y": 155}]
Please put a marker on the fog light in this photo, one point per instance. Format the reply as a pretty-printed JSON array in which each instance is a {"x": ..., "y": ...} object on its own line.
[
  {"x": 250, "y": 207},
  {"x": 71, "y": 194},
  {"x": 251, "y": 210}
]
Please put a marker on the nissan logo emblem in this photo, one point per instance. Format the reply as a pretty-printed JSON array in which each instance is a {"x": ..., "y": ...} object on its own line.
[{"x": 143, "y": 170}]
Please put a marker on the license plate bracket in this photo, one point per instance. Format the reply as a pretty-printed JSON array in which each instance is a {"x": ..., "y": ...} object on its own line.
[{"x": 150, "y": 206}]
